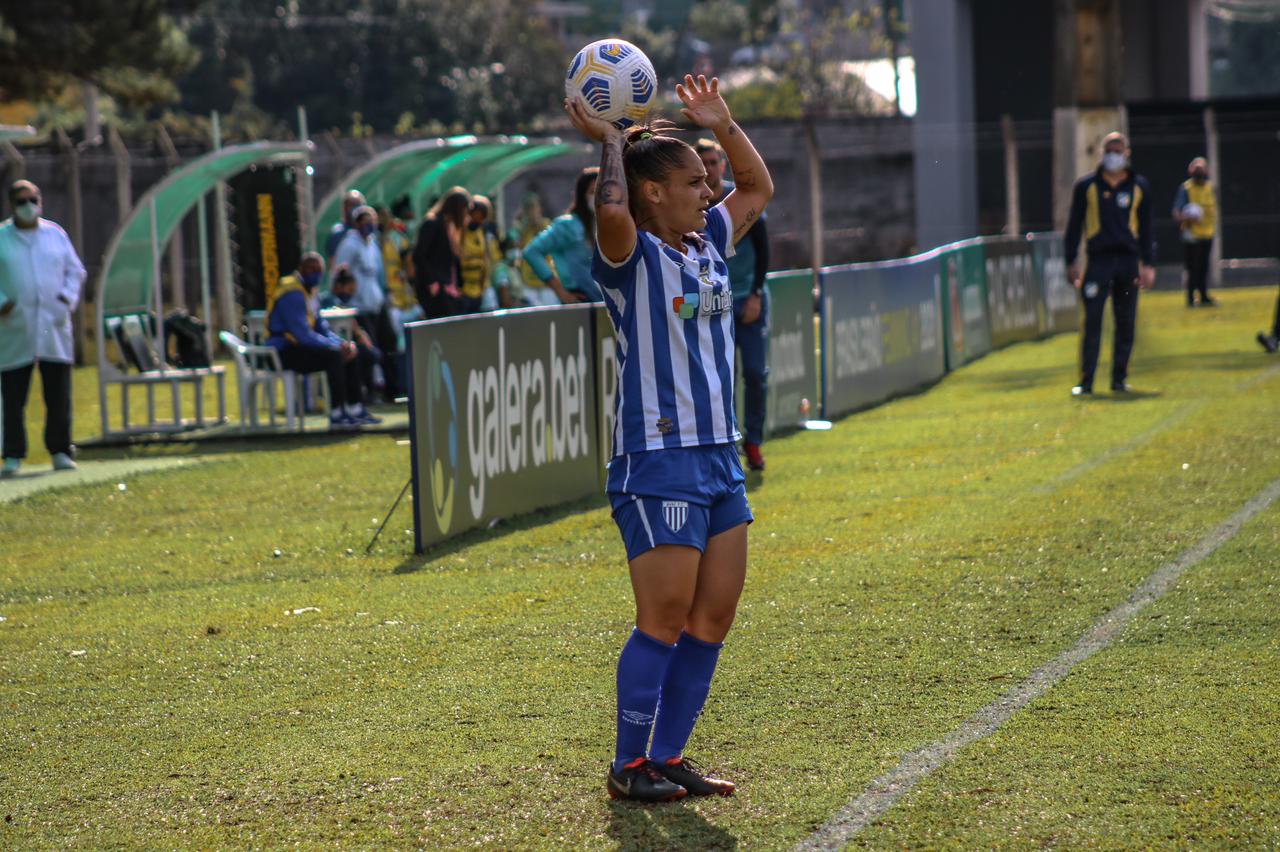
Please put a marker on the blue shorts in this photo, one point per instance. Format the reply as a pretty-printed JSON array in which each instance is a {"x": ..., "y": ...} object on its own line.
[{"x": 679, "y": 496}]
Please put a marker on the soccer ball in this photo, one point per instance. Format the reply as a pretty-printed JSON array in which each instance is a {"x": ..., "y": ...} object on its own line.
[{"x": 614, "y": 79}]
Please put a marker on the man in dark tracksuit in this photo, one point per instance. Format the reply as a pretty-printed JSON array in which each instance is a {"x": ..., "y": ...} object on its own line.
[{"x": 1112, "y": 209}]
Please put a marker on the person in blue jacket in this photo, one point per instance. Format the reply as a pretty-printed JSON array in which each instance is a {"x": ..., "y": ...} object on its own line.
[
  {"x": 307, "y": 344},
  {"x": 569, "y": 241}
]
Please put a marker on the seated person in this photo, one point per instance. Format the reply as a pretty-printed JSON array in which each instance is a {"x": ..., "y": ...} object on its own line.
[
  {"x": 343, "y": 296},
  {"x": 307, "y": 344}
]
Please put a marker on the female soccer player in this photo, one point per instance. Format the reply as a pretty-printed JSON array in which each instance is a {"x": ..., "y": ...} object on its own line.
[{"x": 675, "y": 482}]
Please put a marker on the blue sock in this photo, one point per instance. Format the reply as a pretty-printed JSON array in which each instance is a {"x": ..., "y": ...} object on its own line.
[
  {"x": 684, "y": 692},
  {"x": 640, "y": 671}
]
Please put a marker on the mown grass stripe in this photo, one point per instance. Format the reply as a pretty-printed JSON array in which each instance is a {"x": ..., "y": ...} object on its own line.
[{"x": 884, "y": 791}]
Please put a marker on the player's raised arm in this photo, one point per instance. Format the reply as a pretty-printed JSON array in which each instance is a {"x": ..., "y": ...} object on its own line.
[
  {"x": 704, "y": 106},
  {"x": 615, "y": 227}
]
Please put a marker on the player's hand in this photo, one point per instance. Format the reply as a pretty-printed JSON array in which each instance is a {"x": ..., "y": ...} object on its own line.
[
  {"x": 751, "y": 308},
  {"x": 1073, "y": 275},
  {"x": 349, "y": 351},
  {"x": 1146, "y": 276},
  {"x": 702, "y": 102},
  {"x": 594, "y": 128}
]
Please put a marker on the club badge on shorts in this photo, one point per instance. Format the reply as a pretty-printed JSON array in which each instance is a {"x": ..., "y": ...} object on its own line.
[{"x": 675, "y": 513}]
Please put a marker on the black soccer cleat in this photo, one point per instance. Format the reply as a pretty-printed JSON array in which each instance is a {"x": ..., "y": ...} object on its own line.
[
  {"x": 1121, "y": 387},
  {"x": 1268, "y": 342},
  {"x": 686, "y": 773},
  {"x": 640, "y": 781}
]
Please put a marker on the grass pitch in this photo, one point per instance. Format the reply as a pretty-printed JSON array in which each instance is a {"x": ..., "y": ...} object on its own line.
[{"x": 168, "y": 680}]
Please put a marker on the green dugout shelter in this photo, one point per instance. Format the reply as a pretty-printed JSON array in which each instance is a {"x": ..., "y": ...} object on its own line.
[{"x": 425, "y": 168}]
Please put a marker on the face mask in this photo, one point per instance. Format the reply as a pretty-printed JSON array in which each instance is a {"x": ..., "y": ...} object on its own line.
[
  {"x": 1114, "y": 161},
  {"x": 1199, "y": 177},
  {"x": 366, "y": 230},
  {"x": 27, "y": 213},
  {"x": 310, "y": 279}
]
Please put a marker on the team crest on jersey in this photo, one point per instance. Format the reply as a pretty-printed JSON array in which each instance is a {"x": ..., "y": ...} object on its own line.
[
  {"x": 665, "y": 426},
  {"x": 675, "y": 513},
  {"x": 1123, "y": 200}
]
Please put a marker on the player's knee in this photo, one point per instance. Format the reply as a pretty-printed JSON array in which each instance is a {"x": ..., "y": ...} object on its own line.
[{"x": 711, "y": 625}]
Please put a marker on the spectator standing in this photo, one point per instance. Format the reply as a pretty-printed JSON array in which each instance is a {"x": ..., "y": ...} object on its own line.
[
  {"x": 361, "y": 252},
  {"x": 748, "y": 267},
  {"x": 1195, "y": 209},
  {"x": 353, "y": 199},
  {"x": 435, "y": 255},
  {"x": 478, "y": 256},
  {"x": 397, "y": 261},
  {"x": 528, "y": 225},
  {"x": 307, "y": 344},
  {"x": 1112, "y": 209},
  {"x": 40, "y": 279},
  {"x": 569, "y": 242}
]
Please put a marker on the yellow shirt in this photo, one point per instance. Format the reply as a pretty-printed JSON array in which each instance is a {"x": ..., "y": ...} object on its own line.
[
  {"x": 1201, "y": 194},
  {"x": 479, "y": 256}
]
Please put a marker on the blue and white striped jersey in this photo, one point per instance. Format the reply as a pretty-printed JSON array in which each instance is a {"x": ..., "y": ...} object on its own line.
[{"x": 673, "y": 316}]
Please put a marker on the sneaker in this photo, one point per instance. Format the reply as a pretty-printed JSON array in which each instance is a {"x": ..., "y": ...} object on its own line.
[
  {"x": 340, "y": 422},
  {"x": 755, "y": 460},
  {"x": 11, "y": 468},
  {"x": 1082, "y": 390},
  {"x": 1269, "y": 342},
  {"x": 1208, "y": 302},
  {"x": 640, "y": 781},
  {"x": 364, "y": 417},
  {"x": 62, "y": 461},
  {"x": 1121, "y": 387},
  {"x": 683, "y": 771}
]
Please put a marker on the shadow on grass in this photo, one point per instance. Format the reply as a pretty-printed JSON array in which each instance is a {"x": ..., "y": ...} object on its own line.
[
  {"x": 496, "y": 529},
  {"x": 674, "y": 826},
  {"x": 231, "y": 445}
]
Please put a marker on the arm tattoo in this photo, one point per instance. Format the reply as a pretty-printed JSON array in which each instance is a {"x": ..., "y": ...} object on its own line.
[
  {"x": 611, "y": 186},
  {"x": 733, "y": 129},
  {"x": 744, "y": 178},
  {"x": 745, "y": 224}
]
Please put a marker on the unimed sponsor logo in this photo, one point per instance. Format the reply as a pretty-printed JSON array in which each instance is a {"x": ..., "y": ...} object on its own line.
[{"x": 525, "y": 413}]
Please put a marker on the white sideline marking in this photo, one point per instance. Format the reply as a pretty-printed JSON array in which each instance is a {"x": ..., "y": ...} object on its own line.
[
  {"x": 1138, "y": 440},
  {"x": 884, "y": 791}
]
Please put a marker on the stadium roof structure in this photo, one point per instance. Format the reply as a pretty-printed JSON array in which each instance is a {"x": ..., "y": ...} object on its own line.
[
  {"x": 425, "y": 168},
  {"x": 131, "y": 265}
]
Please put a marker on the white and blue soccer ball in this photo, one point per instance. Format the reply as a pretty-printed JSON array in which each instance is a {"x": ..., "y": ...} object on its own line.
[{"x": 614, "y": 79}]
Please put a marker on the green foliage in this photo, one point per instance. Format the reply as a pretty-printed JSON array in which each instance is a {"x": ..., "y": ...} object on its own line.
[
  {"x": 492, "y": 64},
  {"x": 766, "y": 98},
  {"x": 130, "y": 49},
  {"x": 164, "y": 685}
]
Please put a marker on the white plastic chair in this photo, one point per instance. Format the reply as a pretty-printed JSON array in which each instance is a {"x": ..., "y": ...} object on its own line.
[{"x": 259, "y": 366}]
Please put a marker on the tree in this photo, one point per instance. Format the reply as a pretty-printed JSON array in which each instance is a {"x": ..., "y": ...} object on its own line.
[
  {"x": 130, "y": 49},
  {"x": 491, "y": 64}
]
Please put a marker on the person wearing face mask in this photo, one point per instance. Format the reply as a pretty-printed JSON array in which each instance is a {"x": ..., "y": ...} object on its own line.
[
  {"x": 308, "y": 345},
  {"x": 1195, "y": 209},
  {"x": 361, "y": 252},
  {"x": 1111, "y": 209},
  {"x": 40, "y": 279},
  {"x": 478, "y": 256},
  {"x": 568, "y": 242}
]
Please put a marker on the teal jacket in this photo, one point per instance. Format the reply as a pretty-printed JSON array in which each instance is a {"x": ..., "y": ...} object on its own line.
[{"x": 565, "y": 242}]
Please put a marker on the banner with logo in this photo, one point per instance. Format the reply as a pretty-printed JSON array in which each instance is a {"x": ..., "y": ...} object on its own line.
[
  {"x": 504, "y": 416},
  {"x": 881, "y": 332},
  {"x": 792, "y": 354},
  {"x": 962, "y": 283},
  {"x": 1015, "y": 296},
  {"x": 1062, "y": 305},
  {"x": 266, "y": 236}
]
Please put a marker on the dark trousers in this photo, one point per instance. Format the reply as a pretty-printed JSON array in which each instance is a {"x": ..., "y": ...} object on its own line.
[
  {"x": 14, "y": 386},
  {"x": 383, "y": 335},
  {"x": 344, "y": 376},
  {"x": 1275, "y": 328},
  {"x": 1197, "y": 265},
  {"x": 1114, "y": 276},
  {"x": 753, "y": 347}
]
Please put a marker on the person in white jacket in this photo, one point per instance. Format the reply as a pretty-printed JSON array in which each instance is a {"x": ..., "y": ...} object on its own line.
[{"x": 40, "y": 280}]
